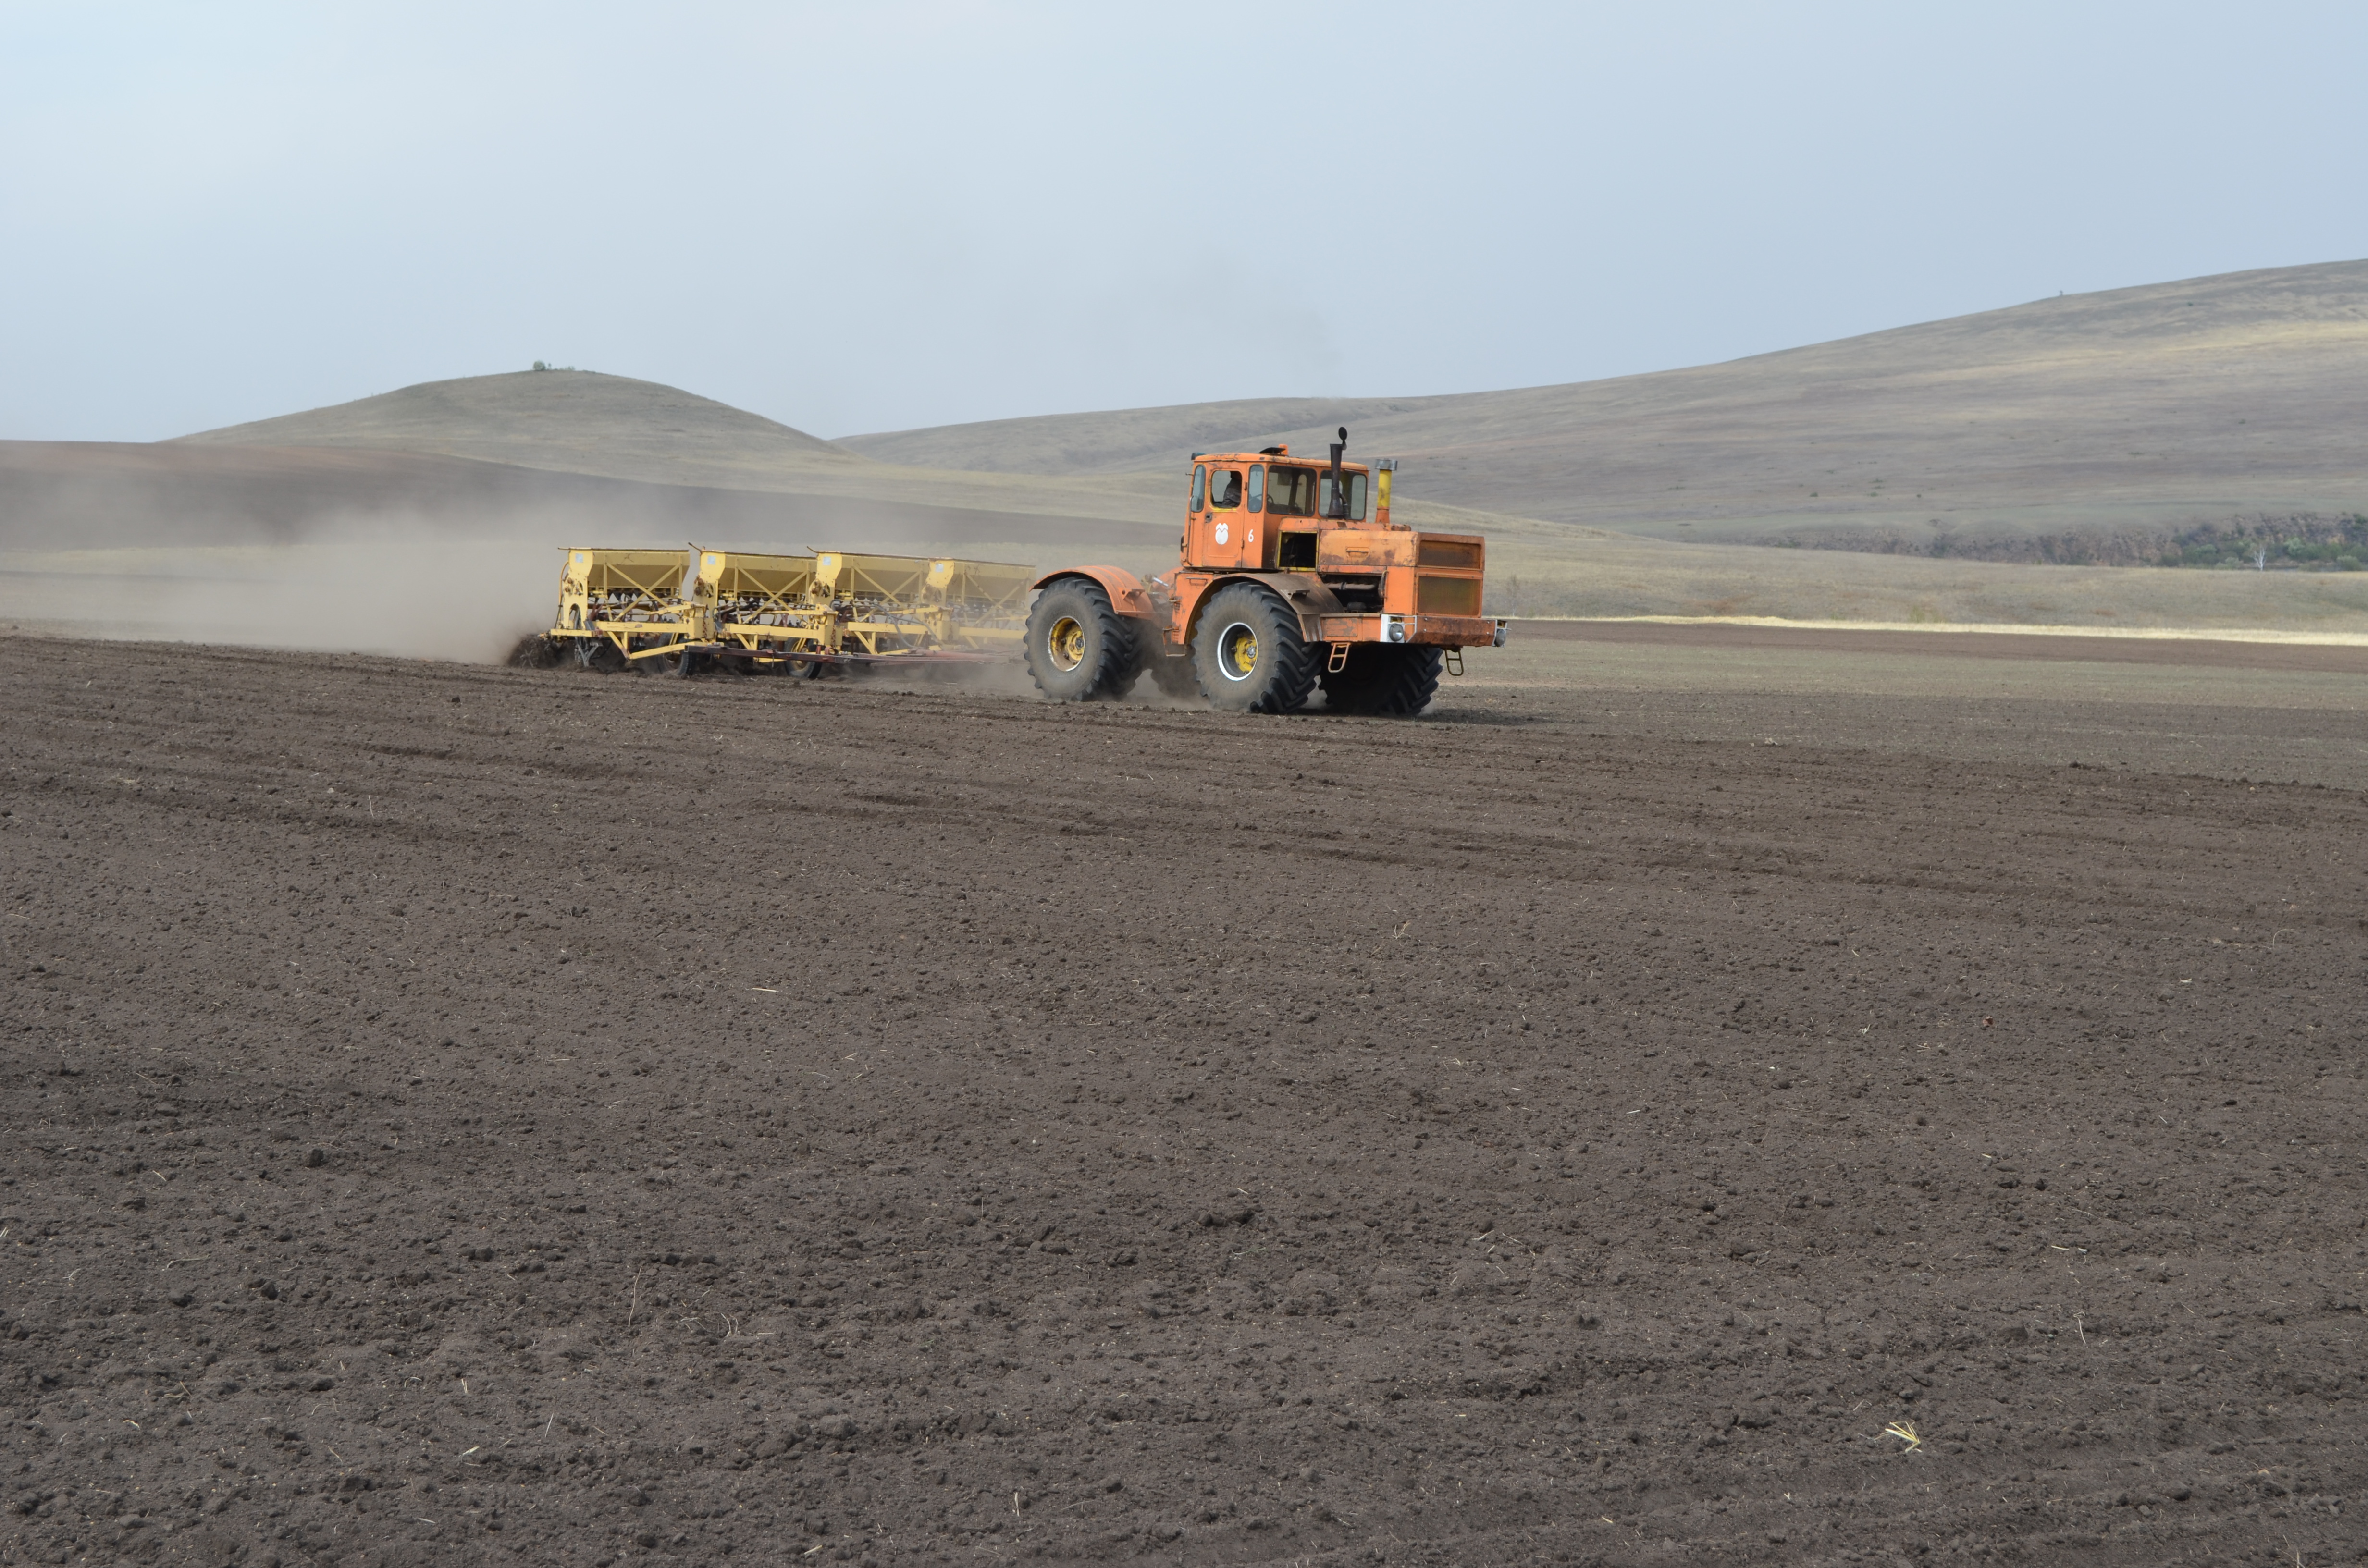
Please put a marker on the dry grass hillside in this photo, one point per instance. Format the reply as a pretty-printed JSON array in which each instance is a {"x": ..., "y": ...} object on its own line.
[
  {"x": 1552, "y": 569},
  {"x": 616, "y": 427},
  {"x": 579, "y": 421},
  {"x": 2148, "y": 409},
  {"x": 87, "y": 494}
]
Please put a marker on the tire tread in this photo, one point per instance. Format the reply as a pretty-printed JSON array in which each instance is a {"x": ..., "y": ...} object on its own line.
[
  {"x": 1292, "y": 680},
  {"x": 1116, "y": 650},
  {"x": 1385, "y": 682}
]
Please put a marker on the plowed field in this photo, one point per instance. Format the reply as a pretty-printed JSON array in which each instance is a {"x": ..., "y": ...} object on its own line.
[{"x": 465, "y": 1116}]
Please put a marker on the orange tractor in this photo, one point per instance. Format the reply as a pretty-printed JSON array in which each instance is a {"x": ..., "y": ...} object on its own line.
[{"x": 1282, "y": 586}]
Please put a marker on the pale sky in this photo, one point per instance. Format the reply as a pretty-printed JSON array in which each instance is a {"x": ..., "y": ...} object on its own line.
[{"x": 869, "y": 217}]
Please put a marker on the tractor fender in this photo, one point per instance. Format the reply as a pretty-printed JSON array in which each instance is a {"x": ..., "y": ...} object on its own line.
[
  {"x": 1124, "y": 588},
  {"x": 1307, "y": 597}
]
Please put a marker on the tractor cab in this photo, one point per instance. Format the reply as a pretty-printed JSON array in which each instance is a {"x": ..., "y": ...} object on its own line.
[{"x": 1261, "y": 511}]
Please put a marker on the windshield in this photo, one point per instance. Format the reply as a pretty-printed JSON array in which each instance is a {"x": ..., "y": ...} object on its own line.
[{"x": 1291, "y": 492}]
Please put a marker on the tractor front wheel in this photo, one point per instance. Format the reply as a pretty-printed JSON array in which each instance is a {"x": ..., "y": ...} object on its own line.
[
  {"x": 1248, "y": 654},
  {"x": 1079, "y": 649},
  {"x": 1384, "y": 679}
]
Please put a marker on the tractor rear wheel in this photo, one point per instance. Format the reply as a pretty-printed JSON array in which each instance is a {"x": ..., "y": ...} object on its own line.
[
  {"x": 1079, "y": 649},
  {"x": 1248, "y": 654},
  {"x": 1385, "y": 680}
]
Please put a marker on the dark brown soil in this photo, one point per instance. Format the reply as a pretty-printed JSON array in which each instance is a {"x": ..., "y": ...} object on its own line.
[{"x": 466, "y": 1116}]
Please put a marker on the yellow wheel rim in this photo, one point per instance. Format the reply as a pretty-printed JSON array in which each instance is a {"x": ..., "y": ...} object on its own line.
[
  {"x": 1238, "y": 651},
  {"x": 1067, "y": 643}
]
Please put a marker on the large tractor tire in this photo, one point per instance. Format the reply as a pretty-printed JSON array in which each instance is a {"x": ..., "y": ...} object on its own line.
[
  {"x": 1248, "y": 654},
  {"x": 1384, "y": 680},
  {"x": 1079, "y": 649}
]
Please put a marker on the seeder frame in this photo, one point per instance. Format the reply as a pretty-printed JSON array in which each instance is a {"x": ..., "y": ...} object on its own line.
[{"x": 620, "y": 607}]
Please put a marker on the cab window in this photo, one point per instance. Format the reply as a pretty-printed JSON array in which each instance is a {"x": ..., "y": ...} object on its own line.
[
  {"x": 1347, "y": 498},
  {"x": 1291, "y": 493},
  {"x": 1225, "y": 488},
  {"x": 1258, "y": 488},
  {"x": 1200, "y": 483}
]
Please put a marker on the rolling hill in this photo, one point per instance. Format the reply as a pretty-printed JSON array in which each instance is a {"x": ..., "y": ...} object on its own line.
[
  {"x": 582, "y": 422},
  {"x": 100, "y": 495},
  {"x": 575, "y": 421},
  {"x": 2144, "y": 409}
]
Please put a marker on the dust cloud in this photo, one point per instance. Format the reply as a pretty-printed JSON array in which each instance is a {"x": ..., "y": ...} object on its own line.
[
  {"x": 410, "y": 554},
  {"x": 444, "y": 598},
  {"x": 432, "y": 586}
]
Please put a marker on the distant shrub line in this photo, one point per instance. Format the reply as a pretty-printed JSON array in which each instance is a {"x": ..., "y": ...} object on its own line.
[
  {"x": 2307, "y": 541},
  {"x": 2304, "y": 542}
]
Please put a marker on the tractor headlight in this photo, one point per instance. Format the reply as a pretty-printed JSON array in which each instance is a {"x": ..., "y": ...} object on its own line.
[{"x": 1394, "y": 629}]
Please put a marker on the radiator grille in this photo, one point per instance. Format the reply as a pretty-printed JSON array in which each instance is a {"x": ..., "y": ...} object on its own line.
[{"x": 1447, "y": 595}]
